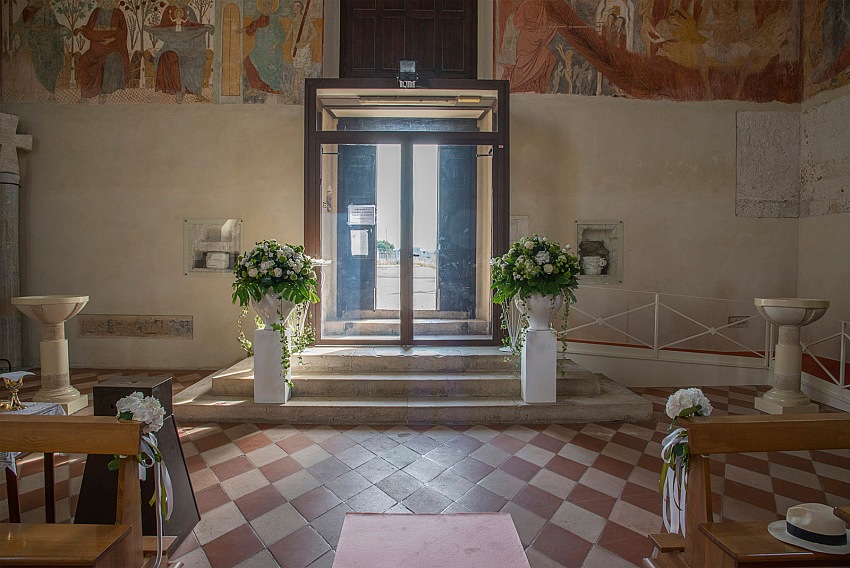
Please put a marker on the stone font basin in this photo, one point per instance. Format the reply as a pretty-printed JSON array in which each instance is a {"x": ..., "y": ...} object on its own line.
[
  {"x": 791, "y": 311},
  {"x": 50, "y": 309}
]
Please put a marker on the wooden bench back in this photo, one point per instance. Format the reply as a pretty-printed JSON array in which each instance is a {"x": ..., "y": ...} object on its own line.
[
  {"x": 743, "y": 434},
  {"x": 86, "y": 435}
]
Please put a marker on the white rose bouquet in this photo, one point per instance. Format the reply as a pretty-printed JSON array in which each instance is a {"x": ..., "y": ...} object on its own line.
[
  {"x": 675, "y": 452},
  {"x": 273, "y": 267},
  {"x": 534, "y": 264}
]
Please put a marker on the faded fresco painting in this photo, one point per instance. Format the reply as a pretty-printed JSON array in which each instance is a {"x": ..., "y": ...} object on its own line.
[
  {"x": 159, "y": 51},
  {"x": 826, "y": 45},
  {"x": 653, "y": 49},
  {"x": 268, "y": 48}
]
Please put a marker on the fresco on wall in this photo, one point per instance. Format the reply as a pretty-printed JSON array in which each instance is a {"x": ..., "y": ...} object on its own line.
[
  {"x": 160, "y": 51},
  {"x": 651, "y": 49},
  {"x": 826, "y": 45}
]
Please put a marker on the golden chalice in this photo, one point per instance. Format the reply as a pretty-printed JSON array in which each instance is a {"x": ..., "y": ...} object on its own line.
[{"x": 14, "y": 381}]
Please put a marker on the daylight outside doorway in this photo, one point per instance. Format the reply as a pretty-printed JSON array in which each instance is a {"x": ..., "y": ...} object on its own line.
[{"x": 409, "y": 189}]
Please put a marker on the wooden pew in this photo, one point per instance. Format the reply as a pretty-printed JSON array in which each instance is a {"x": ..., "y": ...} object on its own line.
[
  {"x": 708, "y": 544},
  {"x": 120, "y": 545}
]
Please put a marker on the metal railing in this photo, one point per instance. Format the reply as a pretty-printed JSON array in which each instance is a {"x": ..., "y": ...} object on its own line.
[{"x": 672, "y": 327}]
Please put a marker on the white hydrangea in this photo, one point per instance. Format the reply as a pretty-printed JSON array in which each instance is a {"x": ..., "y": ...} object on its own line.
[
  {"x": 542, "y": 257},
  {"x": 144, "y": 409},
  {"x": 683, "y": 399}
]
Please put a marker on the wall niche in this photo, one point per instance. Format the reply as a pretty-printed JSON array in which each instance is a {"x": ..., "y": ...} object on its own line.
[
  {"x": 210, "y": 246},
  {"x": 600, "y": 250}
]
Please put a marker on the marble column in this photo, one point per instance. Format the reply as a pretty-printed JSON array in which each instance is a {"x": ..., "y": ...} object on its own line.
[{"x": 10, "y": 275}]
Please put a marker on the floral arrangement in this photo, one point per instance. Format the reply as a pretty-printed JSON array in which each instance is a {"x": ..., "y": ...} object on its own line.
[
  {"x": 675, "y": 452},
  {"x": 147, "y": 409},
  {"x": 271, "y": 267},
  {"x": 285, "y": 270},
  {"x": 533, "y": 265}
]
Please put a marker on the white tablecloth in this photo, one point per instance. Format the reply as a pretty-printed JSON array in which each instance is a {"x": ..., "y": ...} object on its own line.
[{"x": 7, "y": 459}]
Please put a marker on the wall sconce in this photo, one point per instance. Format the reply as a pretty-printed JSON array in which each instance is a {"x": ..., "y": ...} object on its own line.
[{"x": 407, "y": 74}]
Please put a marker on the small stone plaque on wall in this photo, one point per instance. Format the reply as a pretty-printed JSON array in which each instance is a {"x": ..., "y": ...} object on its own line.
[
  {"x": 210, "y": 246},
  {"x": 151, "y": 327},
  {"x": 600, "y": 251}
]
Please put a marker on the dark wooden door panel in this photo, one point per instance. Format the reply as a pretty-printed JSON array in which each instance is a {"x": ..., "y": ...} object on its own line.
[{"x": 441, "y": 35}]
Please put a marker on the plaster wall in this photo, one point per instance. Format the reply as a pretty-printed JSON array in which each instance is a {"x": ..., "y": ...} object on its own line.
[
  {"x": 106, "y": 189},
  {"x": 667, "y": 170},
  {"x": 105, "y": 192}
]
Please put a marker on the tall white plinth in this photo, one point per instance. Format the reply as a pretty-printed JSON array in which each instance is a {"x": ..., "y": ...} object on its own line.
[
  {"x": 52, "y": 312},
  {"x": 539, "y": 366},
  {"x": 269, "y": 385},
  {"x": 790, "y": 314}
]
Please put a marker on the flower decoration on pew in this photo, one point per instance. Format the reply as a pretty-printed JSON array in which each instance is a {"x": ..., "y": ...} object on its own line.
[
  {"x": 147, "y": 409},
  {"x": 683, "y": 403}
]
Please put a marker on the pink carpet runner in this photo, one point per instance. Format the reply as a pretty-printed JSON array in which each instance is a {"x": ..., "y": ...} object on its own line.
[{"x": 464, "y": 540}]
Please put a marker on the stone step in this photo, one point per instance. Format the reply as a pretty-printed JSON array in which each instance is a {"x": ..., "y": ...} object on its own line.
[
  {"x": 393, "y": 385},
  {"x": 415, "y": 360},
  {"x": 614, "y": 403}
]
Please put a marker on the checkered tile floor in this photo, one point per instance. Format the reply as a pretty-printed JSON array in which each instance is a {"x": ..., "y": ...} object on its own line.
[{"x": 579, "y": 494}]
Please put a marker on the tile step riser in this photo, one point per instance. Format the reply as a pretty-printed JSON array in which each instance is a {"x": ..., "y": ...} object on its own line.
[
  {"x": 452, "y": 364},
  {"x": 390, "y": 388}
]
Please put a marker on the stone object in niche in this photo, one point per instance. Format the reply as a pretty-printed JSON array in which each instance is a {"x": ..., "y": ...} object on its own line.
[
  {"x": 218, "y": 260},
  {"x": 592, "y": 265}
]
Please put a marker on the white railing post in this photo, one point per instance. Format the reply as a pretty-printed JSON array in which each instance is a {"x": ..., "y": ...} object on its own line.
[
  {"x": 843, "y": 359},
  {"x": 655, "y": 331}
]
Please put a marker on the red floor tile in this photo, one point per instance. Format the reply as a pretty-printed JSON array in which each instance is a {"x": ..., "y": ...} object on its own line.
[
  {"x": 260, "y": 502},
  {"x": 299, "y": 549},
  {"x": 561, "y": 546},
  {"x": 233, "y": 547}
]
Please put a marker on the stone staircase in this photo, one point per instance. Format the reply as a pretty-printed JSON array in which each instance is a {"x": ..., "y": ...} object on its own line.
[{"x": 419, "y": 385}]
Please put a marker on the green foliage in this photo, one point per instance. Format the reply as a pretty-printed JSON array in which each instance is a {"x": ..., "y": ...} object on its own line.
[{"x": 385, "y": 246}]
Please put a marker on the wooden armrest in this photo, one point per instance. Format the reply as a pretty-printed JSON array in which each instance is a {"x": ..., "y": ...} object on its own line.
[
  {"x": 667, "y": 542},
  {"x": 842, "y": 513}
]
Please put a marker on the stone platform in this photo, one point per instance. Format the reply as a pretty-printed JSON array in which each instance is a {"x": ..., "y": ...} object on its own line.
[{"x": 419, "y": 385}]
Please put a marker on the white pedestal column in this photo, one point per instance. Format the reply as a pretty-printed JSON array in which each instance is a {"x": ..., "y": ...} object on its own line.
[
  {"x": 786, "y": 397},
  {"x": 269, "y": 386},
  {"x": 539, "y": 366}
]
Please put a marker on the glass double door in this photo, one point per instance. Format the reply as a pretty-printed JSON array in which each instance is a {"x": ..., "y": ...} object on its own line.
[{"x": 408, "y": 230}]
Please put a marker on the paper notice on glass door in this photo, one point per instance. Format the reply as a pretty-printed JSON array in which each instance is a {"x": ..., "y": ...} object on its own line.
[{"x": 359, "y": 242}]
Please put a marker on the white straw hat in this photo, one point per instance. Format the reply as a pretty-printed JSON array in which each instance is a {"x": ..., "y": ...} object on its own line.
[{"x": 813, "y": 526}]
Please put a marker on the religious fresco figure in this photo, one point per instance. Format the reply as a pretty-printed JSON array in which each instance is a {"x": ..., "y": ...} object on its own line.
[
  {"x": 181, "y": 59},
  {"x": 264, "y": 71},
  {"x": 105, "y": 67},
  {"x": 37, "y": 41},
  {"x": 302, "y": 32},
  {"x": 537, "y": 22}
]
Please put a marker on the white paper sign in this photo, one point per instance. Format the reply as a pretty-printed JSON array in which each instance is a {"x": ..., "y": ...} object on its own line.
[
  {"x": 359, "y": 242},
  {"x": 361, "y": 214}
]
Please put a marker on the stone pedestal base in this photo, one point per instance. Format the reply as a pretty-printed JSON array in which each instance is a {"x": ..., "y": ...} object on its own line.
[
  {"x": 269, "y": 386},
  {"x": 772, "y": 407},
  {"x": 539, "y": 366},
  {"x": 76, "y": 404}
]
